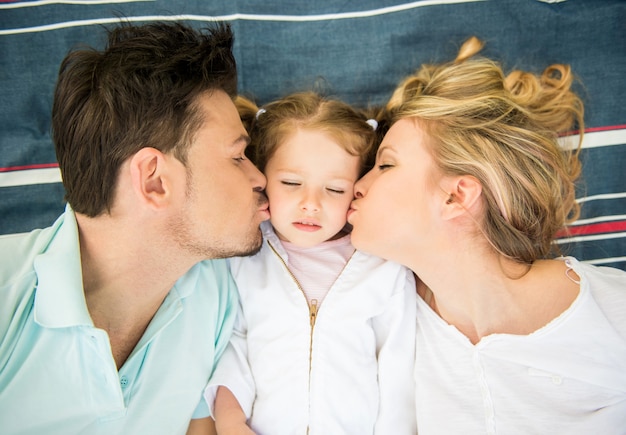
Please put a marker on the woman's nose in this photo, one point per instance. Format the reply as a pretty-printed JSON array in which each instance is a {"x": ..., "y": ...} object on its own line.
[{"x": 360, "y": 187}]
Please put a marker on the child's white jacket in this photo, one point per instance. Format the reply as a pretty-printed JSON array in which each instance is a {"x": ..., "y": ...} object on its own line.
[{"x": 345, "y": 369}]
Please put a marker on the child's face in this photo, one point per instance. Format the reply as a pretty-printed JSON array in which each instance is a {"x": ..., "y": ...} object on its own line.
[{"x": 310, "y": 180}]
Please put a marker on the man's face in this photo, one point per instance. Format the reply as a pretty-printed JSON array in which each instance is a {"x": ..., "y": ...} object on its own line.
[{"x": 224, "y": 203}]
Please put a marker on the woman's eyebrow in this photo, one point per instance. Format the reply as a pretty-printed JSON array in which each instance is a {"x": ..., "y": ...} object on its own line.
[{"x": 385, "y": 149}]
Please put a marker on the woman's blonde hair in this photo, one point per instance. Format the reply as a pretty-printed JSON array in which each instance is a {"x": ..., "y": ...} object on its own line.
[
  {"x": 503, "y": 131},
  {"x": 270, "y": 126}
]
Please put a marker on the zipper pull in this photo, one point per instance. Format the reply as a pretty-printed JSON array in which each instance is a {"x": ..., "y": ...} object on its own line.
[{"x": 313, "y": 311}]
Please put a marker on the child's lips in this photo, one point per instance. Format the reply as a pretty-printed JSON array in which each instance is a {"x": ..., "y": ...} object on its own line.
[
  {"x": 264, "y": 211},
  {"x": 308, "y": 226},
  {"x": 351, "y": 211}
]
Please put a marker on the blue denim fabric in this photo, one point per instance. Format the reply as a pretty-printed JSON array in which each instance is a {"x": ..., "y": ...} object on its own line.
[{"x": 357, "y": 59}]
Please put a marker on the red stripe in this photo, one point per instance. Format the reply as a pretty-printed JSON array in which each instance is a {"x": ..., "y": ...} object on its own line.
[
  {"x": 594, "y": 129},
  {"x": 581, "y": 230},
  {"x": 607, "y": 128},
  {"x": 26, "y": 167}
]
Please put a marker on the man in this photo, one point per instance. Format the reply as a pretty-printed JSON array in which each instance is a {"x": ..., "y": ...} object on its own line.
[{"x": 111, "y": 319}]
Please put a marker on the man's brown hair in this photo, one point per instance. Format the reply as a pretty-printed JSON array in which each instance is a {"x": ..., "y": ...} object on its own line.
[{"x": 140, "y": 91}]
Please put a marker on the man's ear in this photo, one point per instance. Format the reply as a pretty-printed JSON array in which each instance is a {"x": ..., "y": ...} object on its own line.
[
  {"x": 463, "y": 195},
  {"x": 147, "y": 167}
]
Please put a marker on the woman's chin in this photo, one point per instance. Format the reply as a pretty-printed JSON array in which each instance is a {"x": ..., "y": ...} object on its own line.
[{"x": 361, "y": 241}]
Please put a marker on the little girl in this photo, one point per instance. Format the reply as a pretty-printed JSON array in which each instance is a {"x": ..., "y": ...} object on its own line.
[{"x": 325, "y": 337}]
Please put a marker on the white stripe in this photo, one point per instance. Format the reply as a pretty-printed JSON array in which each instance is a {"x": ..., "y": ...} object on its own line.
[
  {"x": 594, "y": 139},
  {"x": 617, "y": 217},
  {"x": 577, "y": 239},
  {"x": 601, "y": 196},
  {"x": 30, "y": 176},
  {"x": 235, "y": 17},
  {"x": 68, "y": 2},
  {"x": 605, "y": 260}
]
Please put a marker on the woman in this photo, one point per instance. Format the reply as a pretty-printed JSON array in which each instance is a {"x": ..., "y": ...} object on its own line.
[{"x": 468, "y": 190}]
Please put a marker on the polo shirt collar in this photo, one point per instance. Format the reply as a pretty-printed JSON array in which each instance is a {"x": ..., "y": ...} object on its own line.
[
  {"x": 60, "y": 298},
  {"x": 189, "y": 281}
]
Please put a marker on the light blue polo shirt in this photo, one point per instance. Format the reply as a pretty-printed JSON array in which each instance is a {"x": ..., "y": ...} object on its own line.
[{"x": 57, "y": 373}]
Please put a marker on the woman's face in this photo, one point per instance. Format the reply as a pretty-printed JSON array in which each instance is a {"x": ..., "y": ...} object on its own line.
[{"x": 393, "y": 214}]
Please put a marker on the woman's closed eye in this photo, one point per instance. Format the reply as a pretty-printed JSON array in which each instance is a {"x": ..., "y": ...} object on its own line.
[{"x": 384, "y": 166}]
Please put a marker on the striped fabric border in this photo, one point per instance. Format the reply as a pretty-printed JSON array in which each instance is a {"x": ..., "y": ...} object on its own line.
[
  {"x": 49, "y": 172},
  {"x": 583, "y": 230},
  {"x": 599, "y": 228}
]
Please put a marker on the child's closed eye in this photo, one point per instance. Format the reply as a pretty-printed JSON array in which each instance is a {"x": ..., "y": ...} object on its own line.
[{"x": 338, "y": 191}]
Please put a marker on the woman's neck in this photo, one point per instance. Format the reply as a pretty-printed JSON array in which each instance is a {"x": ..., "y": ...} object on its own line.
[{"x": 484, "y": 297}]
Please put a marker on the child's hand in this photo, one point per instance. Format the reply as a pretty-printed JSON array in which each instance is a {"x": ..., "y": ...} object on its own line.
[
  {"x": 234, "y": 429},
  {"x": 229, "y": 417}
]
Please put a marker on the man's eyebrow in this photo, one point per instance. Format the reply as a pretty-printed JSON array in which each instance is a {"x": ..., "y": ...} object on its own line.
[{"x": 243, "y": 140}]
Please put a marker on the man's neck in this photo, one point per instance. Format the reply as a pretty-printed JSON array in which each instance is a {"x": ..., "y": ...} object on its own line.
[{"x": 125, "y": 279}]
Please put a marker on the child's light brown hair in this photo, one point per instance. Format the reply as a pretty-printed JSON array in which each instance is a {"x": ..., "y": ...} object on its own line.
[{"x": 271, "y": 125}]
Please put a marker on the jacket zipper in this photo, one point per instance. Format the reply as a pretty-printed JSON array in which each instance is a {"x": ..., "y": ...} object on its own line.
[
  {"x": 313, "y": 306},
  {"x": 313, "y": 311}
]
